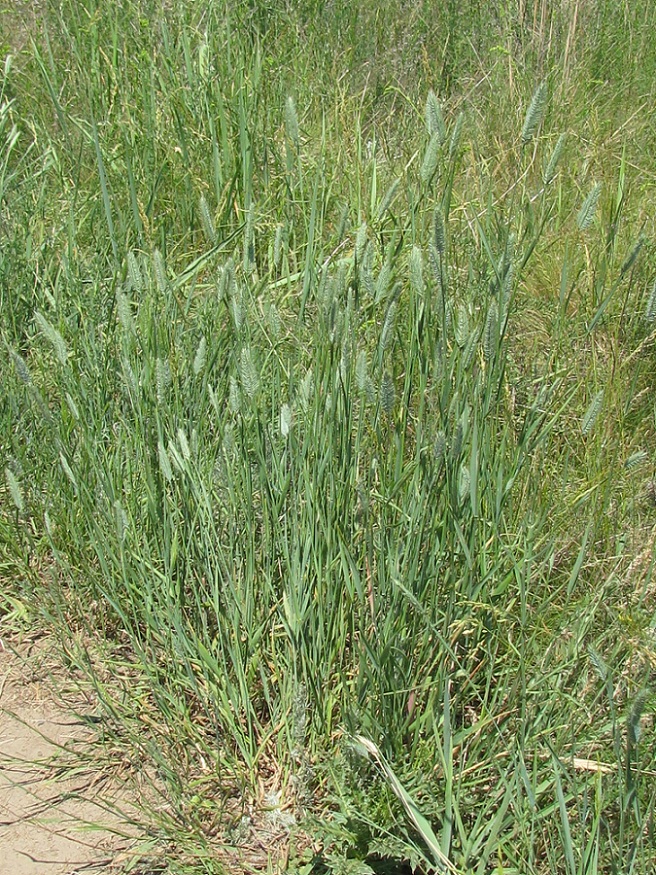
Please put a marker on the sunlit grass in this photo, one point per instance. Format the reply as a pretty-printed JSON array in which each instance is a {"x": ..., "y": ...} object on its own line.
[{"x": 324, "y": 424}]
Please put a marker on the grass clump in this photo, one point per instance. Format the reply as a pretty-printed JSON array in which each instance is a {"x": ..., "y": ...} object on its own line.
[{"x": 335, "y": 436}]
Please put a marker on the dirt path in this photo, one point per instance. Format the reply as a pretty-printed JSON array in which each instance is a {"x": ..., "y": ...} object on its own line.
[{"x": 50, "y": 794}]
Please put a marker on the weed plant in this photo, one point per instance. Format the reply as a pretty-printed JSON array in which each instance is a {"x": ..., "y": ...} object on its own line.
[{"x": 333, "y": 433}]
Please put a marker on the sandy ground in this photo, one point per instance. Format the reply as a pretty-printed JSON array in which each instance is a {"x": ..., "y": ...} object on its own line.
[{"x": 51, "y": 817}]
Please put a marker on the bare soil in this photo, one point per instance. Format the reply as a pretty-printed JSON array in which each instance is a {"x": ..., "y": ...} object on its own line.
[{"x": 56, "y": 806}]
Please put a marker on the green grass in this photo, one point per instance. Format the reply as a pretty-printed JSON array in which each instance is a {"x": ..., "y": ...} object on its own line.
[{"x": 327, "y": 339}]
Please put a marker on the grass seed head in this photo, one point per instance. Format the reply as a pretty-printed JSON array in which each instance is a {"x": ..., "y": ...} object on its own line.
[
  {"x": 534, "y": 113},
  {"x": 586, "y": 214}
]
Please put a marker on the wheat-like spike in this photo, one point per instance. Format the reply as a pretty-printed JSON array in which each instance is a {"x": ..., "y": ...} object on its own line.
[
  {"x": 439, "y": 232},
  {"x": 535, "y": 113},
  {"x": 462, "y": 326},
  {"x": 15, "y": 490},
  {"x": 164, "y": 462},
  {"x": 204, "y": 67},
  {"x": 435, "y": 262},
  {"x": 249, "y": 240},
  {"x": 201, "y": 356},
  {"x": 591, "y": 414},
  {"x": 634, "y": 718},
  {"x": 53, "y": 336},
  {"x": 162, "y": 379},
  {"x": 636, "y": 459},
  {"x": 509, "y": 251},
  {"x": 388, "y": 325},
  {"x": 274, "y": 321},
  {"x": 552, "y": 165},
  {"x": 247, "y": 373},
  {"x": 456, "y": 446},
  {"x": 470, "y": 348},
  {"x": 454, "y": 143},
  {"x": 387, "y": 393},
  {"x": 237, "y": 306},
  {"x": 361, "y": 241},
  {"x": 361, "y": 370},
  {"x": 599, "y": 664},
  {"x": 306, "y": 391},
  {"x": 344, "y": 222},
  {"x": 632, "y": 256},
  {"x": 291, "y": 122},
  {"x": 464, "y": 483},
  {"x": 228, "y": 281},
  {"x": 134, "y": 273},
  {"x": 277, "y": 245},
  {"x": 66, "y": 468},
  {"x": 234, "y": 397},
  {"x": 588, "y": 209},
  {"x": 429, "y": 164},
  {"x": 383, "y": 281},
  {"x": 175, "y": 457},
  {"x": 21, "y": 368},
  {"x": 491, "y": 332},
  {"x": 72, "y": 406},
  {"x": 183, "y": 443},
  {"x": 228, "y": 442},
  {"x": 159, "y": 266},
  {"x": 439, "y": 447},
  {"x": 121, "y": 521},
  {"x": 434, "y": 118},
  {"x": 124, "y": 310},
  {"x": 370, "y": 391},
  {"x": 650, "y": 309},
  {"x": 416, "y": 270},
  {"x": 129, "y": 378},
  {"x": 347, "y": 353},
  {"x": 366, "y": 274},
  {"x": 207, "y": 221},
  {"x": 448, "y": 314},
  {"x": 286, "y": 420},
  {"x": 327, "y": 290},
  {"x": 388, "y": 199},
  {"x": 343, "y": 270}
]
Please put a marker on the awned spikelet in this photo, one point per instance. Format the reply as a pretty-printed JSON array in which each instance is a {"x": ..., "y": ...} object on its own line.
[
  {"x": 53, "y": 336},
  {"x": 434, "y": 118},
  {"x": 134, "y": 273},
  {"x": 291, "y": 122},
  {"x": 247, "y": 373},
  {"x": 552, "y": 164},
  {"x": 15, "y": 490},
  {"x": 456, "y": 135},
  {"x": 592, "y": 413},
  {"x": 388, "y": 325},
  {"x": 388, "y": 199},
  {"x": 201, "y": 357},
  {"x": 286, "y": 420},
  {"x": 491, "y": 332},
  {"x": 207, "y": 221},
  {"x": 439, "y": 232},
  {"x": 650, "y": 309},
  {"x": 534, "y": 113},
  {"x": 361, "y": 370},
  {"x": 387, "y": 393},
  {"x": 20, "y": 366},
  {"x": 416, "y": 270},
  {"x": 429, "y": 165},
  {"x": 588, "y": 209},
  {"x": 159, "y": 267},
  {"x": 162, "y": 379}
]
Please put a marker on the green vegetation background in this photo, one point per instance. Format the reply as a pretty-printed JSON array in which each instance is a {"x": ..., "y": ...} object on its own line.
[{"x": 328, "y": 420}]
